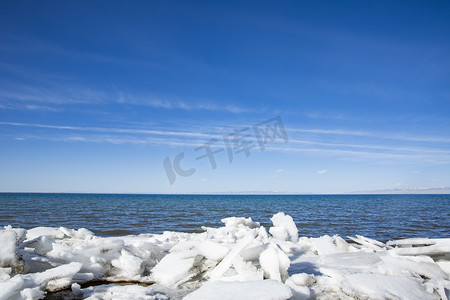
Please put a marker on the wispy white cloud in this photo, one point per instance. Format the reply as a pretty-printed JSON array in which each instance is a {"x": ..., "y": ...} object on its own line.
[
  {"x": 277, "y": 173},
  {"x": 369, "y": 146},
  {"x": 329, "y": 116},
  {"x": 56, "y": 94},
  {"x": 322, "y": 171},
  {"x": 158, "y": 102},
  {"x": 354, "y": 155},
  {"x": 195, "y": 137},
  {"x": 68, "y": 95},
  {"x": 42, "y": 108},
  {"x": 58, "y": 90},
  {"x": 117, "y": 130},
  {"x": 111, "y": 139},
  {"x": 329, "y": 131},
  {"x": 372, "y": 134}
]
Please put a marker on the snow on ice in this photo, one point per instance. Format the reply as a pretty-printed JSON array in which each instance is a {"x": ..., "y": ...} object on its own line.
[{"x": 241, "y": 260}]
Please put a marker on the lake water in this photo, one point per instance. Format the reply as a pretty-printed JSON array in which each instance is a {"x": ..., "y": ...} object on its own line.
[{"x": 382, "y": 217}]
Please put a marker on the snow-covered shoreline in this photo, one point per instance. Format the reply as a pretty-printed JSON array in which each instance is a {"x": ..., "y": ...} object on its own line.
[{"x": 241, "y": 260}]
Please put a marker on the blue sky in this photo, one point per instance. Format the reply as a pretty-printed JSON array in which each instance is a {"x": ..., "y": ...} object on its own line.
[{"x": 95, "y": 95}]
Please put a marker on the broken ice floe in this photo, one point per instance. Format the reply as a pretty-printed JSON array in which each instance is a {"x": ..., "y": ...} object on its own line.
[{"x": 241, "y": 260}]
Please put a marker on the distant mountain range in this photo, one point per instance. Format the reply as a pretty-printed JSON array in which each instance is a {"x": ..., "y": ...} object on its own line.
[
  {"x": 415, "y": 190},
  {"x": 412, "y": 190}
]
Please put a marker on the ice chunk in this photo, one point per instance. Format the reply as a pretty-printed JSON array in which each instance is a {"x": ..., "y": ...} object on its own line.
[
  {"x": 41, "y": 245},
  {"x": 352, "y": 262},
  {"x": 53, "y": 233},
  {"x": 253, "y": 253},
  {"x": 284, "y": 228},
  {"x": 239, "y": 223},
  {"x": 300, "y": 292},
  {"x": 378, "y": 286},
  {"x": 329, "y": 245},
  {"x": 412, "y": 242},
  {"x": 129, "y": 263},
  {"x": 117, "y": 292},
  {"x": 5, "y": 274},
  {"x": 184, "y": 245},
  {"x": 275, "y": 263},
  {"x": 31, "y": 284},
  {"x": 241, "y": 253},
  {"x": 223, "y": 266},
  {"x": 368, "y": 243},
  {"x": 421, "y": 246},
  {"x": 235, "y": 290},
  {"x": 8, "y": 241},
  {"x": 81, "y": 233},
  {"x": 175, "y": 267},
  {"x": 303, "y": 279},
  {"x": 445, "y": 266},
  {"x": 246, "y": 271},
  {"x": 280, "y": 233},
  {"x": 263, "y": 235},
  {"x": 212, "y": 250},
  {"x": 32, "y": 293},
  {"x": 416, "y": 266}
]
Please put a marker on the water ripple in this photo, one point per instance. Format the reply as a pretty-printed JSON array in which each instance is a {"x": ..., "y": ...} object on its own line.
[{"x": 381, "y": 217}]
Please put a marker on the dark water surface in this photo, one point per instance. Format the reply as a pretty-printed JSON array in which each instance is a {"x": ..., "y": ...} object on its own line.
[{"x": 382, "y": 217}]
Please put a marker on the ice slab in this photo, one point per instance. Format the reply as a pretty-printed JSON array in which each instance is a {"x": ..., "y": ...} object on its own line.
[
  {"x": 240, "y": 260},
  {"x": 116, "y": 292},
  {"x": 235, "y": 290},
  {"x": 284, "y": 228},
  {"x": 32, "y": 286}
]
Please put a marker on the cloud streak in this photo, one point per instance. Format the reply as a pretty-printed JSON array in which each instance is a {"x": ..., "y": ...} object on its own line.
[
  {"x": 26, "y": 96},
  {"x": 179, "y": 104},
  {"x": 199, "y": 136},
  {"x": 115, "y": 130},
  {"x": 372, "y": 134},
  {"x": 277, "y": 173}
]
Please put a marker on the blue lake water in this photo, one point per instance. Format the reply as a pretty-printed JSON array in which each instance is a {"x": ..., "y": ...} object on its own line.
[{"x": 381, "y": 217}]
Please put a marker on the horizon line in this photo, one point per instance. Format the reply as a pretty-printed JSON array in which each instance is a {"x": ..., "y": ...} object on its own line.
[{"x": 381, "y": 192}]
